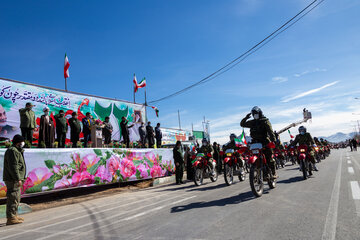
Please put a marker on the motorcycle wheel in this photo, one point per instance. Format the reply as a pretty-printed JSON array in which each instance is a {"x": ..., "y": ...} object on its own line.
[
  {"x": 271, "y": 180},
  {"x": 198, "y": 178},
  {"x": 303, "y": 168},
  {"x": 214, "y": 178},
  {"x": 256, "y": 181},
  {"x": 228, "y": 174},
  {"x": 242, "y": 176}
]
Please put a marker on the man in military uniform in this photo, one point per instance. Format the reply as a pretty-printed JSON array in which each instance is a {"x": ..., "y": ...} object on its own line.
[
  {"x": 107, "y": 130},
  {"x": 179, "y": 162},
  {"x": 61, "y": 128},
  {"x": 205, "y": 149},
  {"x": 75, "y": 129},
  {"x": 304, "y": 138},
  {"x": 13, "y": 175},
  {"x": 27, "y": 122},
  {"x": 261, "y": 132}
]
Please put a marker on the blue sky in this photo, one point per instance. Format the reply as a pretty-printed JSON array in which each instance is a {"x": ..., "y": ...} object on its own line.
[{"x": 315, "y": 64}]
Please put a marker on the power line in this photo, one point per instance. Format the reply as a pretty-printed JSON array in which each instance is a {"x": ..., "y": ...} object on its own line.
[{"x": 252, "y": 50}]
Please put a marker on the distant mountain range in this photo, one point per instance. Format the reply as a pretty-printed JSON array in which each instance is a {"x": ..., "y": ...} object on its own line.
[{"x": 339, "y": 137}]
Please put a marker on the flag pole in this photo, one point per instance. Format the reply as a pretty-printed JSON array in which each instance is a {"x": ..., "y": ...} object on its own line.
[
  {"x": 66, "y": 85},
  {"x": 145, "y": 105},
  {"x": 134, "y": 93}
]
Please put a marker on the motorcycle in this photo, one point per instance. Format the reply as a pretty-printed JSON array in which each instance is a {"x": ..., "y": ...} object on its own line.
[
  {"x": 260, "y": 170},
  {"x": 292, "y": 155},
  {"x": 233, "y": 165},
  {"x": 279, "y": 158},
  {"x": 202, "y": 168},
  {"x": 318, "y": 154},
  {"x": 305, "y": 164}
]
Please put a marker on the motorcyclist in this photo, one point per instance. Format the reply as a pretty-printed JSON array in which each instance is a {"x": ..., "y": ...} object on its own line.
[
  {"x": 232, "y": 145},
  {"x": 261, "y": 132},
  {"x": 205, "y": 149},
  {"x": 304, "y": 138}
]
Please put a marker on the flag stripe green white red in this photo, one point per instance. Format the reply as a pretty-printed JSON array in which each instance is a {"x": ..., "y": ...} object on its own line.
[
  {"x": 291, "y": 136},
  {"x": 142, "y": 83},
  {"x": 242, "y": 137},
  {"x": 66, "y": 67}
]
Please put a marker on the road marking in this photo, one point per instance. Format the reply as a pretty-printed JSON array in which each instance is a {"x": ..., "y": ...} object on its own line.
[
  {"x": 117, "y": 215},
  {"x": 331, "y": 217},
  {"x": 349, "y": 161},
  {"x": 351, "y": 170},
  {"x": 355, "y": 189},
  {"x": 84, "y": 216}
]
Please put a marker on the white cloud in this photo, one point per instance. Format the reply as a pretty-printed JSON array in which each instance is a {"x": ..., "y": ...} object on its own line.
[
  {"x": 309, "y": 71},
  {"x": 279, "y": 79},
  {"x": 312, "y": 91}
]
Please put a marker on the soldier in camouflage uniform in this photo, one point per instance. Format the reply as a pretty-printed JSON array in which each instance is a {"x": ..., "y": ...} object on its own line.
[
  {"x": 13, "y": 175},
  {"x": 261, "y": 132},
  {"x": 304, "y": 138},
  {"x": 205, "y": 149}
]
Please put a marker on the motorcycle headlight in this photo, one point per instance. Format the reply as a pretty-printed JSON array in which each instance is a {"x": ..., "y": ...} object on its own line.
[
  {"x": 302, "y": 150},
  {"x": 228, "y": 154},
  {"x": 255, "y": 151}
]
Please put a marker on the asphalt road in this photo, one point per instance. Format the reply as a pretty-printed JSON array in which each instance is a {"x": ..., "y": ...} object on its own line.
[{"x": 326, "y": 206}]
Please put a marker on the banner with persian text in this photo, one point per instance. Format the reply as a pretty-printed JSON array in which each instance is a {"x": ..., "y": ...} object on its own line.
[
  {"x": 14, "y": 95},
  {"x": 170, "y": 136},
  {"x": 54, "y": 169}
]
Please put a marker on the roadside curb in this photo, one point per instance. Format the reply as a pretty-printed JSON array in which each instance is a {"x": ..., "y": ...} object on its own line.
[
  {"x": 166, "y": 180},
  {"x": 23, "y": 208}
]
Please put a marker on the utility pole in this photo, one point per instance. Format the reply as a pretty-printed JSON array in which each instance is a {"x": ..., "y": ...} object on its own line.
[{"x": 179, "y": 119}]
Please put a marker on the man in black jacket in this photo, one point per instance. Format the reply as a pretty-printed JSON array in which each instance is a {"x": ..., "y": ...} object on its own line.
[
  {"x": 150, "y": 135},
  {"x": 158, "y": 135},
  {"x": 75, "y": 129},
  {"x": 179, "y": 162},
  {"x": 125, "y": 131}
]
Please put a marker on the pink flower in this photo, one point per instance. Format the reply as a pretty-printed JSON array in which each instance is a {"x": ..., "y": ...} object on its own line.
[
  {"x": 155, "y": 171},
  {"x": 56, "y": 168},
  {"x": 127, "y": 168},
  {"x": 134, "y": 156},
  {"x": 113, "y": 164},
  {"x": 76, "y": 158},
  {"x": 143, "y": 171},
  {"x": 103, "y": 174},
  {"x": 82, "y": 178},
  {"x": 88, "y": 161},
  {"x": 63, "y": 183},
  {"x": 37, "y": 176},
  {"x": 151, "y": 156}
]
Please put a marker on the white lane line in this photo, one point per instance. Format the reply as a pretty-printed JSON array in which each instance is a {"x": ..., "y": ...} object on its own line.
[
  {"x": 116, "y": 216},
  {"x": 349, "y": 161},
  {"x": 83, "y": 216},
  {"x": 351, "y": 170},
  {"x": 355, "y": 189},
  {"x": 331, "y": 217}
]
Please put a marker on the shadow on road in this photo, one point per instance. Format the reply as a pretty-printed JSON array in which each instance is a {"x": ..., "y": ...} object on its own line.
[
  {"x": 243, "y": 197},
  {"x": 208, "y": 188},
  {"x": 292, "y": 180}
]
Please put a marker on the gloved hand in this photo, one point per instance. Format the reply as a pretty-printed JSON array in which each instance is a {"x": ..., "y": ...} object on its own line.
[{"x": 248, "y": 115}]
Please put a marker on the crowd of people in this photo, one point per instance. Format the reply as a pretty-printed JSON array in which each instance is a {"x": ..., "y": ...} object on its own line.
[{"x": 53, "y": 133}]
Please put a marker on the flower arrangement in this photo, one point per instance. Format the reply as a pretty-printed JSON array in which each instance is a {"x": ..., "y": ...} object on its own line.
[
  {"x": 7, "y": 144},
  {"x": 56, "y": 144},
  {"x": 116, "y": 144},
  {"x": 79, "y": 144},
  {"x": 68, "y": 145}
]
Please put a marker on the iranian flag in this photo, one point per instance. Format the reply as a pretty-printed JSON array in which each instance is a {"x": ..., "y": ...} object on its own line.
[
  {"x": 291, "y": 136},
  {"x": 242, "y": 137},
  {"x": 156, "y": 111},
  {"x": 66, "y": 67},
  {"x": 142, "y": 83},
  {"x": 136, "y": 86}
]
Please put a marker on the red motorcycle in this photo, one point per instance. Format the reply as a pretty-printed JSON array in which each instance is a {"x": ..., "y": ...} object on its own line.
[
  {"x": 292, "y": 155},
  {"x": 233, "y": 165},
  {"x": 202, "y": 168},
  {"x": 279, "y": 158},
  {"x": 305, "y": 164},
  {"x": 260, "y": 170}
]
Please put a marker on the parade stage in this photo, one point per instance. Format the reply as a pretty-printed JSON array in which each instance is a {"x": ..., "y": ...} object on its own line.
[{"x": 55, "y": 169}]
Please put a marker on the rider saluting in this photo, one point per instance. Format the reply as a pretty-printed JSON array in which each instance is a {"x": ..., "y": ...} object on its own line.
[
  {"x": 205, "y": 149},
  {"x": 261, "y": 132},
  {"x": 304, "y": 138}
]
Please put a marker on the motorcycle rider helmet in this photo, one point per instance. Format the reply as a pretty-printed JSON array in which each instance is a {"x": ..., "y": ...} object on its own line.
[
  {"x": 256, "y": 112},
  {"x": 302, "y": 130},
  {"x": 232, "y": 136}
]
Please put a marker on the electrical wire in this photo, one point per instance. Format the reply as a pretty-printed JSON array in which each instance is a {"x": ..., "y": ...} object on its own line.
[{"x": 246, "y": 54}]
